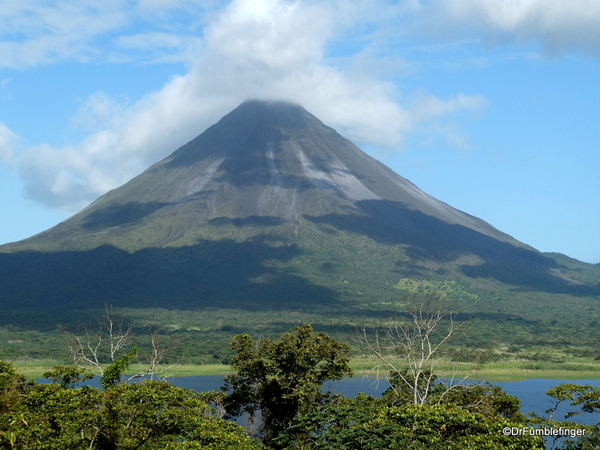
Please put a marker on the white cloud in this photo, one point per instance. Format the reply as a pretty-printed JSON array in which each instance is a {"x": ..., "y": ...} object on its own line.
[
  {"x": 98, "y": 111},
  {"x": 430, "y": 115},
  {"x": 153, "y": 5},
  {"x": 428, "y": 106},
  {"x": 145, "y": 41},
  {"x": 270, "y": 49},
  {"x": 277, "y": 34},
  {"x": 8, "y": 140},
  {"x": 38, "y": 32},
  {"x": 559, "y": 26},
  {"x": 159, "y": 47},
  {"x": 50, "y": 178},
  {"x": 34, "y": 32}
]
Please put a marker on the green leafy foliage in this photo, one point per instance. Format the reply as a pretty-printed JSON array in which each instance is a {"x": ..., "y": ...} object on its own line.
[
  {"x": 400, "y": 392},
  {"x": 152, "y": 415},
  {"x": 583, "y": 437},
  {"x": 485, "y": 399},
  {"x": 279, "y": 380},
  {"x": 365, "y": 423},
  {"x": 589, "y": 441},
  {"x": 587, "y": 397},
  {"x": 283, "y": 378},
  {"x": 112, "y": 374},
  {"x": 68, "y": 376}
]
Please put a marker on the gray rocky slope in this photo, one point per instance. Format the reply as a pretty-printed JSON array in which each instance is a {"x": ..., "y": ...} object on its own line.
[{"x": 269, "y": 164}]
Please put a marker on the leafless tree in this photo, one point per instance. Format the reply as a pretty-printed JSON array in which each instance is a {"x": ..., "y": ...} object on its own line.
[
  {"x": 154, "y": 361},
  {"x": 93, "y": 346},
  {"x": 409, "y": 349}
]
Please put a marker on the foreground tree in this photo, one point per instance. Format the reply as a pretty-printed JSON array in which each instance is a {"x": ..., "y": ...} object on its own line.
[
  {"x": 152, "y": 415},
  {"x": 366, "y": 423},
  {"x": 587, "y": 398},
  {"x": 282, "y": 379},
  {"x": 410, "y": 349}
]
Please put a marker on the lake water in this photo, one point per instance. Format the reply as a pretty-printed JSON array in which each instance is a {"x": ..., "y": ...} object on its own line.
[{"x": 532, "y": 393}]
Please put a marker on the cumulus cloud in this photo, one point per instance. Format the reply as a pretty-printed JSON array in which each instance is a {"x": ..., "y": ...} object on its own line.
[
  {"x": 558, "y": 26},
  {"x": 269, "y": 49}
]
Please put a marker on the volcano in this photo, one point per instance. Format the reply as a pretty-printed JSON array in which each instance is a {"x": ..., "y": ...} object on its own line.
[
  {"x": 267, "y": 208},
  {"x": 266, "y": 164}
]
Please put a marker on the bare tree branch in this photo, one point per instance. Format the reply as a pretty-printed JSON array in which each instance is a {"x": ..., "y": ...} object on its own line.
[
  {"x": 155, "y": 358},
  {"x": 410, "y": 347},
  {"x": 89, "y": 347},
  {"x": 95, "y": 346}
]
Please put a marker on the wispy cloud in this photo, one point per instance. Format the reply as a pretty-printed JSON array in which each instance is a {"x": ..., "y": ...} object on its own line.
[
  {"x": 428, "y": 106},
  {"x": 38, "y": 32},
  {"x": 145, "y": 41},
  {"x": 8, "y": 141},
  {"x": 559, "y": 27},
  {"x": 35, "y": 32}
]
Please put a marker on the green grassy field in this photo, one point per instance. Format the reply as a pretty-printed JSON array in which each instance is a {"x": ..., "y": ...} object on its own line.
[
  {"x": 515, "y": 370},
  {"x": 507, "y": 370}
]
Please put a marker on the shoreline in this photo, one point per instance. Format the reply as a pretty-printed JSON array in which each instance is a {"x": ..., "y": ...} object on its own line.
[{"x": 35, "y": 369}]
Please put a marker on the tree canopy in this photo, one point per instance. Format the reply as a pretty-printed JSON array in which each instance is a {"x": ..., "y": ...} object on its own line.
[
  {"x": 278, "y": 383},
  {"x": 150, "y": 415},
  {"x": 283, "y": 378}
]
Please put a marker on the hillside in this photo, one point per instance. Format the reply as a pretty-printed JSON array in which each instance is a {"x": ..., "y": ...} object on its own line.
[{"x": 271, "y": 210}]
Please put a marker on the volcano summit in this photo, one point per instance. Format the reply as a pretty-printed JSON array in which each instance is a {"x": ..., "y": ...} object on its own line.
[
  {"x": 265, "y": 164},
  {"x": 268, "y": 207}
]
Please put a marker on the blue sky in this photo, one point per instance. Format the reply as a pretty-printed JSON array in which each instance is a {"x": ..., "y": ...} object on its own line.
[{"x": 492, "y": 106}]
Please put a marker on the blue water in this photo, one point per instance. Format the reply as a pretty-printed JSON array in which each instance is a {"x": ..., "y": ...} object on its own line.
[{"x": 532, "y": 393}]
